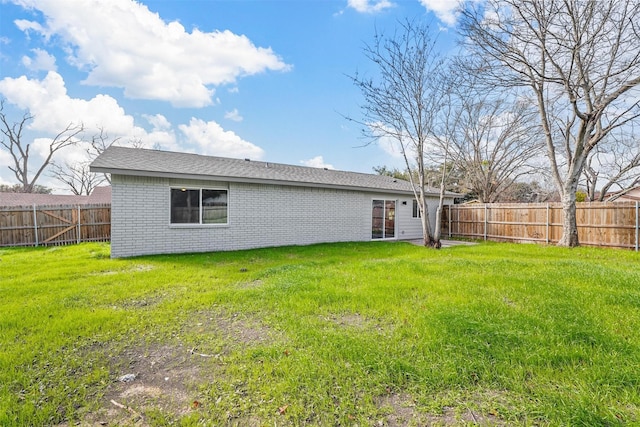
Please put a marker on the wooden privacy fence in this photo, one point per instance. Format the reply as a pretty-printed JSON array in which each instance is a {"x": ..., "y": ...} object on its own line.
[
  {"x": 615, "y": 225},
  {"x": 54, "y": 225}
]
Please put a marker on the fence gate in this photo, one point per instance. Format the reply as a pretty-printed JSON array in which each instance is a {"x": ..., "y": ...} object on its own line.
[{"x": 58, "y": 226}]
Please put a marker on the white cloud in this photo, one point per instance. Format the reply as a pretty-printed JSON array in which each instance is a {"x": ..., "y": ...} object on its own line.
[
  {"x": 47, "y": 100},
  {"x": 41, "y": 60},
  {"x": 370, "y": 6},
  {"x": 53, "y": 110},
  {"x": 121, "y": 43},
  {"x": 28, "y": 26},
  {"x": 445, "y": 10},
  {"x": 212, "y": 139},
  {"x": 5, "y": 160},
  {"x": 390, "y": 146},
  {"x": 317, "y": 162},
  {"x": 158, "y": 121},
  {"x": 162, "y": 135},
  {"x": 233, "y": 115}
]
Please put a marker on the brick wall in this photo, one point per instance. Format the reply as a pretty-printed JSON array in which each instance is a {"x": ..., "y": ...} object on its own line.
[{"x": 259, "y": 216}]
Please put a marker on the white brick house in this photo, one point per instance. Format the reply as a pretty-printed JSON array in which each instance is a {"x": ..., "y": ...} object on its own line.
[{"x": 164, "y": 202}]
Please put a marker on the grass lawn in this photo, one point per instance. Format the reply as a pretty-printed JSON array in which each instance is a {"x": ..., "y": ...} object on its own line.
[{"x": 338, "y": 334}]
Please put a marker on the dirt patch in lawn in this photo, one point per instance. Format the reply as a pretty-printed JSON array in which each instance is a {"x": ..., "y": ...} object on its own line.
[
  {"x": 251, "y": 285},
  {"x": 353, "y": 320},
  {"x": 465, "y": 416},
  {"x": 161, "y": 379},
  {"x": 132, "y": 269},
  {"x": 358, "y": 321},
  {"x": 402, "y": 411},
  {"x": 235, "y": 328}
]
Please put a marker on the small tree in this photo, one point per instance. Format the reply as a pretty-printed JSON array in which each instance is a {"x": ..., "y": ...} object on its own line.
[
  {"x": 493, "y": 140},
  {"x": 19, "y": 150},
  {"x": 392, "y": 172},
  {"x": 77, "y": 177},
  {"x": 527, "y": 192},
  {"x": 100, "y": 142},
  {"x": 613, "y": 165},
  {"x": 403, "y": 101}
]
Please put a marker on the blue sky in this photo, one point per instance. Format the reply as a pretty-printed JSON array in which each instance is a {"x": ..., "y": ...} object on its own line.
[{"x": 264, "y": 79}]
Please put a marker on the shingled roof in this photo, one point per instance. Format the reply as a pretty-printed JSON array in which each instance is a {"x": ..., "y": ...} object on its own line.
[{"x": 142, "y": 162}]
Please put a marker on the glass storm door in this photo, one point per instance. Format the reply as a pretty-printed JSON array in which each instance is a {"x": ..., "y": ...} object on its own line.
[{"x": 383, "y": 219}]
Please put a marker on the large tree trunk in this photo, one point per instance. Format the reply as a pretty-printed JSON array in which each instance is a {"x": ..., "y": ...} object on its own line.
[
  {"x": 568, "y": 191},
  {"x": 437, "y": 244},
  {"x": 569, "y": 224},
  {"x": 437, "y": 232},
  {"x": 426, "y": 224}
]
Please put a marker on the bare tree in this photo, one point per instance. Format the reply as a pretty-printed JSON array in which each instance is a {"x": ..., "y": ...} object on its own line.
[
  {"x": 402, "y": 102},
  {"x": 579, "y": 61},
  {"x": 101, "y": 141},
  {"x": 613, "y": 165},
  {"x": 527, "y": 192},
  {"x": 19, "y": 150},
  {"x": 493, "y": 141},
  {"x": 77, "y": 177}
]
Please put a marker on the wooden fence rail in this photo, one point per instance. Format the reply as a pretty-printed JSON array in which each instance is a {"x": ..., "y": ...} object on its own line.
[
  {"x": 54, "y": 225},
  {"x": 615, "y": 225}
]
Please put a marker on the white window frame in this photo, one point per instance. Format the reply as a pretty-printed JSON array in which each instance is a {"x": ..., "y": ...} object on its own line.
[
  {"x": 415, "y": 205},
  {"x": 395, "y": 219},
  {"x": 199, "y": 223}
]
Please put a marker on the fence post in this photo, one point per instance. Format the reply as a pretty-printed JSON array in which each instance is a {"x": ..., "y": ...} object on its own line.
[
  {"x": 35, "y": 224},
  {"x": 637, "y": 224},
  {"x": 79, "y": 228},
  {"x": 449, "y": 221},
  {"x": 548, "y": 225},
  {"x": 485, "y": 221}
]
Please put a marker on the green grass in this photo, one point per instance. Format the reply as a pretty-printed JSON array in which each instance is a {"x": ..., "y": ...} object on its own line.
[{"x": 337, "y": 334}]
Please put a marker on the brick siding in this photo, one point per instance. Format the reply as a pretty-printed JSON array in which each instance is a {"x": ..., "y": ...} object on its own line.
[{"x": 260, "y": 215}]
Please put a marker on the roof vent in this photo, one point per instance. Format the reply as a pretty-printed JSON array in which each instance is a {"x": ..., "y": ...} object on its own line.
[
  {"x": 247, "y": 160},
  {"x": 395, "y": 180},
  {"x": 326, "y": 169}
]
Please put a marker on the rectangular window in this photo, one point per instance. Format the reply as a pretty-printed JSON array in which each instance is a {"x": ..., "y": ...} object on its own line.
[
  {"x": 416, "y": 211},
  {"x": 198, "y": 206}
]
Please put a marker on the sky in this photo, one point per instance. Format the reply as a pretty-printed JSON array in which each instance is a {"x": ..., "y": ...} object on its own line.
[{"x": 261, "y": 79}]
